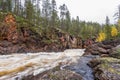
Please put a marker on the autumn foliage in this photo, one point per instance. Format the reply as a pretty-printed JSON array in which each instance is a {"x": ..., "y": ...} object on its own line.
[
  {"x": 114, "y": 31},
  {"x": 12, "y": 34},
  {"x": 101, "y": 37},
  {"x": 9, "y": 18}
]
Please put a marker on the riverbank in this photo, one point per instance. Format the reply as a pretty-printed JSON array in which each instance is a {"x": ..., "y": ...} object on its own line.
[{"x": 107, "y": 66}]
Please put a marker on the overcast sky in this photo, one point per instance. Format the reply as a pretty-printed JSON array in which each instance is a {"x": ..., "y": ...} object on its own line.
[{"x": 92, "y": 10}]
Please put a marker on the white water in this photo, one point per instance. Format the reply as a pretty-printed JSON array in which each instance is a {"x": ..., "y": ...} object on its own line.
[{"x": 19, "y": 65}]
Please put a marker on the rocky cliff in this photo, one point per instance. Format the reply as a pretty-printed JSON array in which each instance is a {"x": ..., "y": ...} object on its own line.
[{"x": 19, "y": 36}]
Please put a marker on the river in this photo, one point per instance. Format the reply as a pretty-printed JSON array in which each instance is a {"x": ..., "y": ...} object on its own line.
[{"x": 16, "y": 66}]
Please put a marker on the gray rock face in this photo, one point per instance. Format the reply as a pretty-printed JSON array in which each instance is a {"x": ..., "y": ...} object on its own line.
[
  {"x": 106, "y": 68},
  {"x": 115, "y": 52},
  {"x": 55, "y": 74},
  {"x": 99, "y": 49}
]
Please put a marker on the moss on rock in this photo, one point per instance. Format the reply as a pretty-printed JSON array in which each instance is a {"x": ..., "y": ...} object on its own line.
[{"x": 108, "y": 69}]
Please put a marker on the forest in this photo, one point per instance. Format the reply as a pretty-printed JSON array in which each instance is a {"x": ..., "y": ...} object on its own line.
[{"x": 45, "y": 14}]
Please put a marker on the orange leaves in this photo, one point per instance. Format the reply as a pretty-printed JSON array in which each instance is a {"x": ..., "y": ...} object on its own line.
[
  {"x": 12, "y": 34},
  {"x": 9, "y": 18}
]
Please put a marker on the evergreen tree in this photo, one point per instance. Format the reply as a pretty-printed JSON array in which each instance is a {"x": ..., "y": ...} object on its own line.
[
  {"x": 17, "y": 7},
  {"x": 6, "y": 5},
  {"x": 29, "y": 10},
  {"x": 21, "y": 9},
  {"x": 117, "y": 18},
  {"x": 107, "y": 21},
  {"x": 46, "y": 9},
  {"x": 108, "y": 28},
  {"x": 68, "y": 21},
  {"x": 63, "y": 11},
  {"x": 117, "y": 14},
  {"x": 54, "y": 16},
  {"x": 9, "y": 5}
]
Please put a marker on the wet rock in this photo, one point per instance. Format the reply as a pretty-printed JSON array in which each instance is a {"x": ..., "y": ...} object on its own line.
[
  {"x": 102, "y": 50},
  {"x": 107, "y": 47},
  {"x": 95, "y": 52},
  {"x": 106, "y": 68},
  {"x": 95, "y": 49},
  {"x": 55, "y": 74},
  {"x": 93, "y": 63},
  {"x": 115, "y": 52},
  {"x": 104, "y": 55}
]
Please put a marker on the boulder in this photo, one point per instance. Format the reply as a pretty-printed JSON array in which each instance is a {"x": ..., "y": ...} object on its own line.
[
  {"x": 115, "y": 52},
  {"x": 104, "y": 55},
  {"x": 95, "y": 52},
  {"x": 55, "y": 74},
  {"x": 102, "y": 50},
  {"x": 96, "y": 49},
  {"x": 93, "y": 63},
  {"x": 106, "y": 68}
]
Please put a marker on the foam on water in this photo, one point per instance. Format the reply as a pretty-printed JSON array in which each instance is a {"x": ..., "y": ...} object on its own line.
[{"x": 34, "y": 63}]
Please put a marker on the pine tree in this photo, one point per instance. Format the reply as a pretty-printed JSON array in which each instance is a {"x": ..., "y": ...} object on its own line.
[
  {"x": 17, "y": 7},
  {"x": 46, "y": 9},
  {"x": 117, "y": 18},
  {"x": 29, "y": 10},
  {"x": 117, "y": 14},
  {"x": 9, "y": 5},
  {"x": 63, "y": 11},
  {"x": 54, "y": 16},
  {"x": 6, "y": 5},
  {"x": 108, "y": 28},
  {"x": 68, "y": 21},
  {"x": 38, "y": 13},
  {"x": 107, "y": 21}
]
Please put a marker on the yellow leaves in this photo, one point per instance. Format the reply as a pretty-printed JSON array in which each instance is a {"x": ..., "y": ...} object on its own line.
[
  {"x": 114, "y": 31},
  {"x": 101, "y": 37}
]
